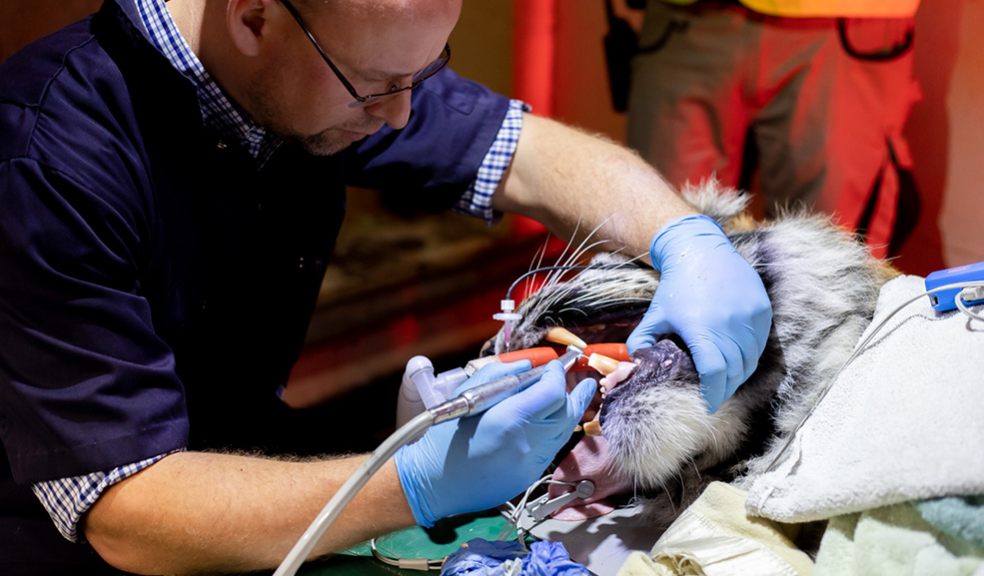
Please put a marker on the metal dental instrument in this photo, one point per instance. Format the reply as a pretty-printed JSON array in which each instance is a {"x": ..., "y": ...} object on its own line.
[
  {"x": 471, "y": 401},
  {"x": 543, "y": 506}
]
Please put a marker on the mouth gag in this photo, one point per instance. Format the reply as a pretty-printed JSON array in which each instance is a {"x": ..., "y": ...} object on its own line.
[
  {"x": 540, "y": 509},
  {"x": 526, "y": 514}
]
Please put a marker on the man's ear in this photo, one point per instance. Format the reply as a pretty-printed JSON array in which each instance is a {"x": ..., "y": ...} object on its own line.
[{"x": 247, "y": 21}]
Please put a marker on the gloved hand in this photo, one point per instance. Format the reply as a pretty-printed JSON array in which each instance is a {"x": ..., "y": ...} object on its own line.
[
  {"x": 478, "y": 462},
  {"x": 712, "y": 298}
]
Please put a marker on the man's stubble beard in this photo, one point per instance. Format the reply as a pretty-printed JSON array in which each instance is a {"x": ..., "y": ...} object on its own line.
[{"x": 325, "y": 143}]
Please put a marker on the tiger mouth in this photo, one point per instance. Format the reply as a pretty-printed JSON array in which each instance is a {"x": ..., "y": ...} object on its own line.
[
  {"x": 604, "y": 331},
  {"x": 603, "y": 325},
  {"x": 608, "y": 359}
]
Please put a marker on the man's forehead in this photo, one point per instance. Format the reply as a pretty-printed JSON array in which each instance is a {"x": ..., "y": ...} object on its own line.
[
  {"x": 393, "y": 8},
  {"x": 364, "y": 32}
]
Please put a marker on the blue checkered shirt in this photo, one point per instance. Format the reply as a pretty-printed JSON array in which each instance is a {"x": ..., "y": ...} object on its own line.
[{"x": 67, "y": 499}]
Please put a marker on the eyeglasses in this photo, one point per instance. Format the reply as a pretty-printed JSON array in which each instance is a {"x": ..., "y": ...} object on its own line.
[{"x": 418, "y": 78}]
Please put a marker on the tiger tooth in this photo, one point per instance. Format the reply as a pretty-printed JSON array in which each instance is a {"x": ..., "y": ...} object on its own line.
[
  {"x": 603, "y": 364},
  {"x": 592, "y": 428},
  {"x": 559, "y": 335}
]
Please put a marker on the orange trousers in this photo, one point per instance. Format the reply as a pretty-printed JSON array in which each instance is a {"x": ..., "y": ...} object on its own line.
[{"x": 812, "y": 107}]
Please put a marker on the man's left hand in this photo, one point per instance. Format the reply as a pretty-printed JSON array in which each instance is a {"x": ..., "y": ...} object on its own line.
[{"x": 712, "y": 298}]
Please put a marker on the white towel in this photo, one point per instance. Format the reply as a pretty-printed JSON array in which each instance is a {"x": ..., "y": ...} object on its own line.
[{"x": 904, "y": 421}]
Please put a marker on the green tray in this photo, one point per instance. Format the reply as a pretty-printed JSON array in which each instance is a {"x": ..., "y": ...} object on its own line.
[{"x": 433, "y": 543}]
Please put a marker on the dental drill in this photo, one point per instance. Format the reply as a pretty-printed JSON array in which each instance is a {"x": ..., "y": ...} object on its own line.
[
  {"x": 469, "y": 402},
  {"x": 484, "y": 396}
]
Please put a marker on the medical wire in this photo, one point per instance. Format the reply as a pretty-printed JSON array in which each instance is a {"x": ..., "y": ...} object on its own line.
[
  {"x": 422, "y": 564},
  {"x": 970, "y": 295},
  {"x": 862, "y": 346},
  {"x": 516, "y": 510},
  {"x": 471, "y": 401},
  {"x": 512, "y": 525}
]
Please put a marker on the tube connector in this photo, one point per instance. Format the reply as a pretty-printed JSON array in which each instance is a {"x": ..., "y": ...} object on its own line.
[{"x": 507, "y": 316}]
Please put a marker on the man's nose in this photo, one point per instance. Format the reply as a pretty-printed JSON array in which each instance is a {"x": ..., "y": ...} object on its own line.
[{"x": 395, "y": 110}]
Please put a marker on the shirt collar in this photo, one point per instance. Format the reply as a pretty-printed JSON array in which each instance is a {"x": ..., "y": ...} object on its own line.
[{"x": 219, "y": 112}]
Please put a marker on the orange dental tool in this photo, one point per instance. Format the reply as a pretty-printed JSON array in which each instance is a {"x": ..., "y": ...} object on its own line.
[{"x": 540, "y": 355}]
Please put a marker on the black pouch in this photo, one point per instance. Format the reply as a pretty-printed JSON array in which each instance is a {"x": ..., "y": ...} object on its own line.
[
  {"x": 621, "y": 44},
  {"x": 908, "y": 207},
  {"x": 876, "y": 39}
]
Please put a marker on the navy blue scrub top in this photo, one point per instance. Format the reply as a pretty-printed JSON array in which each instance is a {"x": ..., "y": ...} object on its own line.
[{"x": 152, "y": 276}]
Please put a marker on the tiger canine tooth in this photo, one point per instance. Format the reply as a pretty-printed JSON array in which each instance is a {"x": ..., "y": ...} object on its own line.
[
  {"x": 602, "y": 364},
  {"x": 559, "y": 335},
  {"x": 592, "y": 428},
  {"x": 622, "y": 372}
]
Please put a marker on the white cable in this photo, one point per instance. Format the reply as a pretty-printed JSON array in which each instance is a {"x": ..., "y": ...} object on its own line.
[
  {"x": 516, "y": 511},
  {"x": 302, "y": 549},
  {"x": 970, "y": 294},
  {"x": 421, "y": 564}
]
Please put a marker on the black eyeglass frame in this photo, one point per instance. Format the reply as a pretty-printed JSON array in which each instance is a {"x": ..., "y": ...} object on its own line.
[{"x": 429, "y": 71}]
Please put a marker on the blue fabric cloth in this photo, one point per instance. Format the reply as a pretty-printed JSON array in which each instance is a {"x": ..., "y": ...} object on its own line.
[
  {"x": 153, "y": 271},
  {"x": 958, "y": 516},
  {"x": 484, "y": 558}
]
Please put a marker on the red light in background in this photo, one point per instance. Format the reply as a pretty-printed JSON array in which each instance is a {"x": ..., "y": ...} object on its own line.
[
  {"x": 534, "y": 43},
  {"x": 405, "y": 330}
]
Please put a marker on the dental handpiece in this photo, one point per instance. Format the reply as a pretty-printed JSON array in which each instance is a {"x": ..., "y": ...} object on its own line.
[{"x": 484, "y": 396}]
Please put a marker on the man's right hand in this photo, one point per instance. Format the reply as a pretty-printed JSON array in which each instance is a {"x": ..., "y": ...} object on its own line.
[{"x": 478, "y": 462}]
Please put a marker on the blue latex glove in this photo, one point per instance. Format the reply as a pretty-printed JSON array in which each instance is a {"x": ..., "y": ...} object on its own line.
[
  {"x": 712, "y": 298},
  {"x": 478, "y": 462}
]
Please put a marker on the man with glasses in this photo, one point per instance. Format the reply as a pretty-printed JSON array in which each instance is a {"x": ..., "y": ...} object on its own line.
[{"x": 172, "y": 180}]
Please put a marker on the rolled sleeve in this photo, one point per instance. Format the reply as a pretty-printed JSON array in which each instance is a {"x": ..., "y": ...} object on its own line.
[
  {"x": 477, "y": 200},
  {"x": 85, "y": 382},
  {"x": 67, "y": 499},
  {"x": 437, "y": 156}
]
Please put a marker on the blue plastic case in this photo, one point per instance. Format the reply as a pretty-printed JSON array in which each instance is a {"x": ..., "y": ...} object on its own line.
[{"x": 943, "y": 300}]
